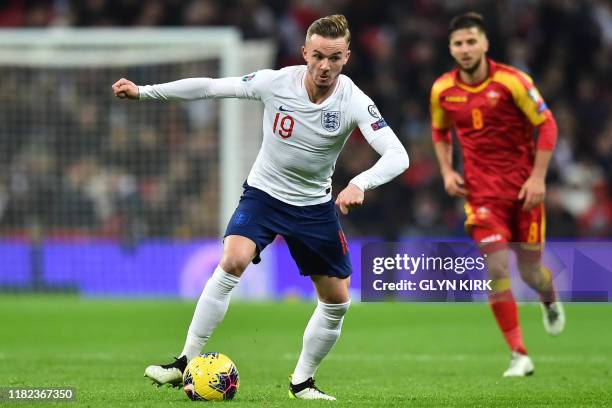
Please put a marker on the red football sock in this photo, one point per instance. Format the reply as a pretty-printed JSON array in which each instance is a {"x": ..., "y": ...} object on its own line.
[{"x": 506, "y": 313}]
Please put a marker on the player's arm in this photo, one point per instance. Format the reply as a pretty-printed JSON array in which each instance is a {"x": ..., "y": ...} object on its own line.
[
  {"x": 443, "y": 147},
  {"x": 392, "y": 162},
  {"x": 531, "y": 103},
  {"x": 194, "y": 88},
  {"x": 533, "y": 190}
]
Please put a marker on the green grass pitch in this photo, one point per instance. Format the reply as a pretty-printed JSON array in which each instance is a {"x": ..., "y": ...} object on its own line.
[{"x": 390, "y": 354}]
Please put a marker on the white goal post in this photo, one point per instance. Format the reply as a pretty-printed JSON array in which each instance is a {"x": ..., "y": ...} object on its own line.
[{"x": 239, "y": 122}]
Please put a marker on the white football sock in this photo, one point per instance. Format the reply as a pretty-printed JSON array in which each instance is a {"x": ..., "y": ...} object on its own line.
[
  {"x": 322, "y": 332},
  {"x": 209, "y": 311}
]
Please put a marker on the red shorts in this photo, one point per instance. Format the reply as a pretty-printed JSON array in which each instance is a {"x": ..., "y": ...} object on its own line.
[{"x": 494, "y": 223}]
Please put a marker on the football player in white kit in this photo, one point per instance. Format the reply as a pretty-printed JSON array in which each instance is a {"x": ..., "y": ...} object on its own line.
[{"x": 310, "y": 111}]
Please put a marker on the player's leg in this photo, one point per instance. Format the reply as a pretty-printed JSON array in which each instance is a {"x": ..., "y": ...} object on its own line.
[
  {"x": 534, "y": 274},
  {"x": 238, "y": 252},
  {"x": 320, "y": 250},
  {"x": 323, "y": 329},
  {"x": 321, "y": 334},
  {"x": 210, "y": 310},
  {"x": 246, "y": 236},
  {"x": 487, "y": 224},
  {"x": 501, "y": 299},
  {"x": 506, "y": 315},
  {"x": 539, "y": 278}
]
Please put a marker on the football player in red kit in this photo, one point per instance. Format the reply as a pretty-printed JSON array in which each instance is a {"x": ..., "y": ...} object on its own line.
[{"x": 494, "y": 110}]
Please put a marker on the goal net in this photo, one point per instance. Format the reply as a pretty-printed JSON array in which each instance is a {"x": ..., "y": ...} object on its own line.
[{"x": 76, "y": 163}]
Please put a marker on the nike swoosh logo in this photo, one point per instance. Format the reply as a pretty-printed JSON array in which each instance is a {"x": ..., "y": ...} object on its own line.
[{"x": 282, "y": 109}]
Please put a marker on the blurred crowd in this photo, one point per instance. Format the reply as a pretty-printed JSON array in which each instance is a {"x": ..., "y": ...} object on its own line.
[
  {"x": 100, "y": 180},
  {"x": 76, "y": 163}
]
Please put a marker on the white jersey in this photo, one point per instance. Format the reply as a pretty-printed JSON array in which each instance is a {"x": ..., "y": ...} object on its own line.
[{"x": 301, "y": 140}]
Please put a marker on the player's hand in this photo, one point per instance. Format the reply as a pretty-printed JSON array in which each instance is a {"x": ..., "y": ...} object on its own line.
[
  {"x": 454, "y": 184},
  {"x": 351, "y": 196},
  {"x": 125, "y": 89},
  {"x": 533, "y": 192}
]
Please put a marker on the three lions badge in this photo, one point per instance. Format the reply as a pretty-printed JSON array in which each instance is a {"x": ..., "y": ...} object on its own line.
[{"x": 330, "y": 120}]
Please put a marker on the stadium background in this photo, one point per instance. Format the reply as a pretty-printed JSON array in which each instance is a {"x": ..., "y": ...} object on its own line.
[{"x": 134, "y": 214}]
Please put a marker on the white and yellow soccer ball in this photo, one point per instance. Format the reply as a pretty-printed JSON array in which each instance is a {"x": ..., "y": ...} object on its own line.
[{"x": 211, "y": 377}]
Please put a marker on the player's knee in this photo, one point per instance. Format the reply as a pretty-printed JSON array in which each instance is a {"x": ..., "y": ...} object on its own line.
[
  {"x": 335, "y": 297},
  {"x": 497, "y": 263},
  {"x": 238, "y": 252},
  {"x": 235, "y": 264},
  {"x": 332, "y": 290},
  {"x": 498, "y": 270}
]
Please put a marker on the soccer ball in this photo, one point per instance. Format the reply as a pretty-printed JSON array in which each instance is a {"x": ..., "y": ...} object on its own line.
[{"x": 211, "y": 377}]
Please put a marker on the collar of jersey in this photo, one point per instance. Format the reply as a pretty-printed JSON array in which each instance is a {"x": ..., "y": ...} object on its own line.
[{"x": 480, "y": 86}]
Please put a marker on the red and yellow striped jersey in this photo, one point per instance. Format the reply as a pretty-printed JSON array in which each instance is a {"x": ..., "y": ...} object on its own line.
[{"x": 494, "y": 122}]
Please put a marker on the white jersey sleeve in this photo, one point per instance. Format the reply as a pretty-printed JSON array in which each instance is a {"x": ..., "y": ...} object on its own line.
[
  {"x": 253, "y": 86},
  {"x": 394, "y": 158}
]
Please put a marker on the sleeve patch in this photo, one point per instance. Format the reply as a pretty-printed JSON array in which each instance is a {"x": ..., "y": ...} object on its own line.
[
  {"x": 535, "y": 96},
  {"x": 248, "y": 77},
  {"x": 373, "y": 111},
  {"x": 379, "y": 124}
]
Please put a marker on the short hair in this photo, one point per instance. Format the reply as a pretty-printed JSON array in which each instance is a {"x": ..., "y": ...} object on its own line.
[
  {"x": 330, "y": 27},
  {"x": 467, "y": 20}
]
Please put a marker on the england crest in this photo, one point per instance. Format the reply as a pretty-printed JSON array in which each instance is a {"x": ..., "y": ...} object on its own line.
[{"x": 330, "y": 120}]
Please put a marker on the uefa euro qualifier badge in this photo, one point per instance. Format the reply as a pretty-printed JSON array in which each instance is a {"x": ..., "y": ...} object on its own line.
[
  {"x": 248, "y": 77},
  {"x": 374, "y": 113}
]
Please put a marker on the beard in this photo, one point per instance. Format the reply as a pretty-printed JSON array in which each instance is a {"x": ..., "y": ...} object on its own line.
[{"x": 470, "y": 70}]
